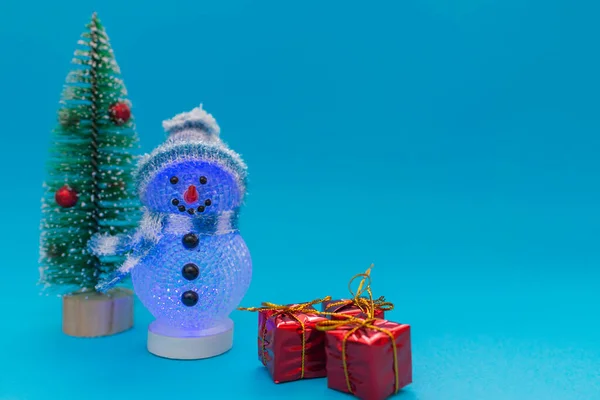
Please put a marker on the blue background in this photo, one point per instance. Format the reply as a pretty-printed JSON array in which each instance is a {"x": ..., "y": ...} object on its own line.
[{"x": 452, "y": 143}]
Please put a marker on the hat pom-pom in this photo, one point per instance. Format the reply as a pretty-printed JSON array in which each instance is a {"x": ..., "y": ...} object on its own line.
[{"x": 197, "y": 119}]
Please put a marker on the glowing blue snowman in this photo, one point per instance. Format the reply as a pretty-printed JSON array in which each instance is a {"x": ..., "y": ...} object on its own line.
[{"x": 188, "y": 262}]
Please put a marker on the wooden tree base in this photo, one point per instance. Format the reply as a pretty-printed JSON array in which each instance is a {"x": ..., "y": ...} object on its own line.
[{"x": 93, "y": 314}]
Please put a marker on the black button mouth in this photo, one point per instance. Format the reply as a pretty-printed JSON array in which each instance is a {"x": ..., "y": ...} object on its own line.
[{"x": 200, "y": 209}]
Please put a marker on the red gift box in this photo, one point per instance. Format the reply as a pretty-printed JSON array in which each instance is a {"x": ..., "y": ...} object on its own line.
[
  {"x": 289, "y": 345},
  {"x": 370, "y": 359},
  {"x": 356, "y": 307}
]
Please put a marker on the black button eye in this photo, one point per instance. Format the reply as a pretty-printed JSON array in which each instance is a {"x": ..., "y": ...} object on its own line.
[
  {"x": 174, "y": 180},
  {"x": 203, "y": 180}
]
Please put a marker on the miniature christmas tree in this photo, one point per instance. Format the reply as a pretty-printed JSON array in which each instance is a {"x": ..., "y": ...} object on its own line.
[{"x": 89, "y": 189}]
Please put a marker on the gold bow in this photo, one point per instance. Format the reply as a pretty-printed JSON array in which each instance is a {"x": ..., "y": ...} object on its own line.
[
  {"x": 366, "y": 305},
  {"x": 290, "y": 311},
  {"x": 355, "y": 324}
]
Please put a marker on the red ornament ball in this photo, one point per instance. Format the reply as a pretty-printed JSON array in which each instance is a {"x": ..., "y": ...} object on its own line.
[
  {"x": 120, "y": 113},
  {"x": 66, "y": 197}
]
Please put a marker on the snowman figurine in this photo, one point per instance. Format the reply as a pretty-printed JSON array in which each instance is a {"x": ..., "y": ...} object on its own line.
[{"x": 188, "y": 262}]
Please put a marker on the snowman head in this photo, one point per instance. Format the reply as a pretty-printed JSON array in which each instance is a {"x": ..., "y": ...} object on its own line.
[{"x": 193, "y": 173}]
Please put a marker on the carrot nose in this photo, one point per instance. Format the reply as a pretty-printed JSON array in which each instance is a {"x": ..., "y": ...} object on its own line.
[{"x": 191, "y": 195}]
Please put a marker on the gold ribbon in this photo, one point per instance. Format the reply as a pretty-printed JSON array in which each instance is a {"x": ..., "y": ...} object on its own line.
[
  {"x": 366, "y": 305},
  {"x": 290, "y": 311}
]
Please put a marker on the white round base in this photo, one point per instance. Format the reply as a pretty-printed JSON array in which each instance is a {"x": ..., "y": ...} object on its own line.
[{"x": 190, "y": 345}]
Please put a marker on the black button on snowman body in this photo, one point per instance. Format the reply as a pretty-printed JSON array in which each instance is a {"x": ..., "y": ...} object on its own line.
[
  {"x": 190, "y": 241},
  {"x": 189, "y": 298},
  {"x": 190, "y": 271}
]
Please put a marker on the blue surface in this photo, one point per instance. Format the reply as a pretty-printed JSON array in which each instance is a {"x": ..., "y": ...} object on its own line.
[{"x": 452, "y": 143}]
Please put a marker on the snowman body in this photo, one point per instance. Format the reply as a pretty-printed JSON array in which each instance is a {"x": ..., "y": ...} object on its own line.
[{"x": 193, "y": 288}]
